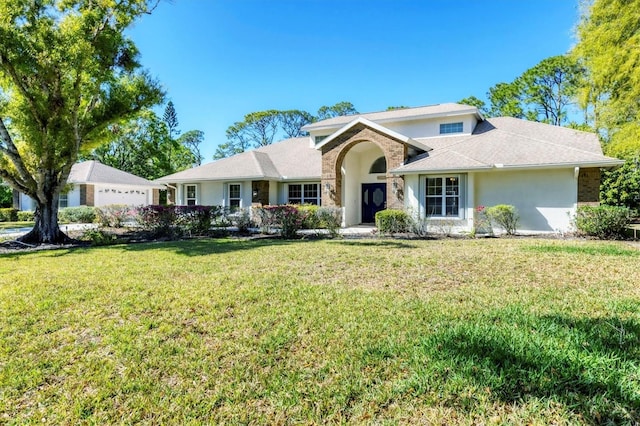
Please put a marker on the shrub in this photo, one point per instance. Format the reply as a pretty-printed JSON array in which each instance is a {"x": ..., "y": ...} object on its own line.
[
  {"x": 605, "y": 222},
  {"x": 160, "y": 220},
  {"x": 99, "y": 237},
  {"x": 392, "y": 221},
  {"x": 8, "y": 215},
  {"x": 194, "y": 219},
  {"x": 505, "y": 216},
  {"x": 81, "y": 214},
  {"x": 286, "y": 217},
  {"x": 331, "y": 219},
  {"x": 481, "y": 222},
  {"x": 310, "y": 213},
  {"x": 114, "y": 215},
  {"x": 26, "y": 216},
  {"x": 242, "y": 220}
]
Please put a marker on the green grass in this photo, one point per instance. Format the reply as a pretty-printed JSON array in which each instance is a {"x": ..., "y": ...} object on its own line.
[
  {"x": 490, "y": 331},
  {"x": 12, "y": 225}
]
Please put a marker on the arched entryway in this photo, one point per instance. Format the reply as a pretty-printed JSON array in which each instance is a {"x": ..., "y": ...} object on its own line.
[{"x": 348, "y": 180}]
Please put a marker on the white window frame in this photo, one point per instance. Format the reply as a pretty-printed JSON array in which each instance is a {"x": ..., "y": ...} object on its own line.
[
  {"x": 305, "y": 200},
  {"x": 443, "y": 197},
  {"x": 186, "y": 195},
  {"x": 238, "y": 198},
  {"x": 447, "y": 128}
]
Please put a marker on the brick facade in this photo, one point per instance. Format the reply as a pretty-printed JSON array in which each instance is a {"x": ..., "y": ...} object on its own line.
[
  {"x": 87, "y": 195},
  {"x": 589, "y": 186},
  {"x": 333, "y": 155}
]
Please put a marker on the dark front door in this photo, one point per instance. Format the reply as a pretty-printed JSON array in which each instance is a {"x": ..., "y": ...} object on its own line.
[{"x": 374, "y": 199}]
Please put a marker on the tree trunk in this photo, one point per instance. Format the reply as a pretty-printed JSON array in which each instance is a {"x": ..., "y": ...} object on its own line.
[{"x": 46, "y": 229}]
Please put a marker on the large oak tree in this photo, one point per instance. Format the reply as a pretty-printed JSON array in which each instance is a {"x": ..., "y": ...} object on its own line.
[{"x": 67, "y": 72}]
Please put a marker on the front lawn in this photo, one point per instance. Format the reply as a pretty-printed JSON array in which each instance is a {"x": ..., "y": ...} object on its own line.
[{"x": 344, "y": 331}]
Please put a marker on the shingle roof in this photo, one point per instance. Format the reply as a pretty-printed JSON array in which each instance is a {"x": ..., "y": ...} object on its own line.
[
  {"x": 438, "y": 110},
  {"x": 96, "y": 172},
  {"x": 288, "y": 159},
  {"x": 511, "y": 142}
]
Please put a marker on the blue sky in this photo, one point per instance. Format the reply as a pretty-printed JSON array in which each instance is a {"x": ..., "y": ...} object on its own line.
[{"x": 221, "y": 59}]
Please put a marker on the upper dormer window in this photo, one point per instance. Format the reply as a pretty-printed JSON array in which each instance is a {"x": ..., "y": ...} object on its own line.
[
  {"x": 450, "y": 128},
  {"x": 319, "y": 139}
]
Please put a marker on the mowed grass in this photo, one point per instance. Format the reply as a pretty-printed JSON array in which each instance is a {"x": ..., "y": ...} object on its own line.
[{"x": 345, "y": 331}]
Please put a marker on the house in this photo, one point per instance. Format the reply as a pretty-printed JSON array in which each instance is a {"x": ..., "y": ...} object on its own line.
[
  {"x": 438, "y": 162},
  {"x": 96, "y": 184}
]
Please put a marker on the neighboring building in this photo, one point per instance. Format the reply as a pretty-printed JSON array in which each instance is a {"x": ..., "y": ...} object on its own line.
[
  {"x": 96, "y": 184},
  {"x": 439, "y": 162}
]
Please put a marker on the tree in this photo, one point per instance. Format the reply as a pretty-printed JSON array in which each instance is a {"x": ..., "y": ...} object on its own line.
[
  {"x": 608, "y": 48},
  {"x": 292, "y": 121},
  {"x": 621, "y": 186},
  {"x": 473, "y": 101},
  {"x": 192, "y": 140},
  {"x": 142, "y": 146},
  {"x": 337, "y": 110},
  {"x": 6, "y": 196},
  {"x": 170, "y": 117},
  {"x": 67, "y": 72},
  {"x": 550, "y": 87},
  {"x": 506, "y": 100}
]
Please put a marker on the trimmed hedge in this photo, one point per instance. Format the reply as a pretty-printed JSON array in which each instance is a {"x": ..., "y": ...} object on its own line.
[
  {"x": 604, "y": 222},
  {"x": 26, "y": 216},
  {"x": 81, "y": 214},
  {"x": 8, "y": 215},
  {"x": 393, "y": 221}
]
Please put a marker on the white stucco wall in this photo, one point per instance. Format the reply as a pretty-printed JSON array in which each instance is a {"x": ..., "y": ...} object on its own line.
[{"x": 545, "y": 199}]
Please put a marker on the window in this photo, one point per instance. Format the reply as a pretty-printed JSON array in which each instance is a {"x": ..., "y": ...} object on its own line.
[
  {"x": 443, "y": 196},
  {"x": 235, "y": 197},
  {"x": 379, "y": 166},
  {"x": 450, "y": 128},
  {"x": 191, "y": 192},
  {"x": 319, "y": 139},
  {"x": 63, "y": 201},
  {"x": 307, "y": 193}
]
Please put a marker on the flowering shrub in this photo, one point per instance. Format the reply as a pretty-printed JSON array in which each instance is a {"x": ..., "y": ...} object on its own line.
[
  {"x": 287, "y": 217},
  {"x": 115, "y": 215},
  {"x": 481, "y": 222},
  {"x": 160, "y": 220},
  {"x": 196, "y": 220}
]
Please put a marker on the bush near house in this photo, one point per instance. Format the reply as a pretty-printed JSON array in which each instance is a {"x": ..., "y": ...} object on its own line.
[
  {"x": 81, "y": 214},
  {"x": 25, "y": 216},
  {"x": 115, "y": 215},
  {"x": 605, "y": 222},
  {"x": 8, "y": 215},
  {"x": 330, "y": 218},
  {"x": 505, "y": 216},
  {"x": 285, "y": 217},
  {"x": 392, "y": 221}
]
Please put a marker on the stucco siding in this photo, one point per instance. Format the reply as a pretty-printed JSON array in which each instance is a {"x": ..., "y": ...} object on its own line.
[{"x": 545, "y": 199}]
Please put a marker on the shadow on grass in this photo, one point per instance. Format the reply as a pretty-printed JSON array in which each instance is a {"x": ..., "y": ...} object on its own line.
[
  {"x": 591, "y": 366},
  {"x": 375, "y": 243}
]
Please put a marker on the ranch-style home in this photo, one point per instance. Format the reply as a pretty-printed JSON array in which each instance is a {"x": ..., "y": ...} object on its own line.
[
  {"x": 96, "y": 184},
  {"x": 438, "y": 162}
]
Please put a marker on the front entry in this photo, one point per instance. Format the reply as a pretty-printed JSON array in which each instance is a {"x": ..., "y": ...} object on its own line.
[{"x": 374, "y": 199}]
